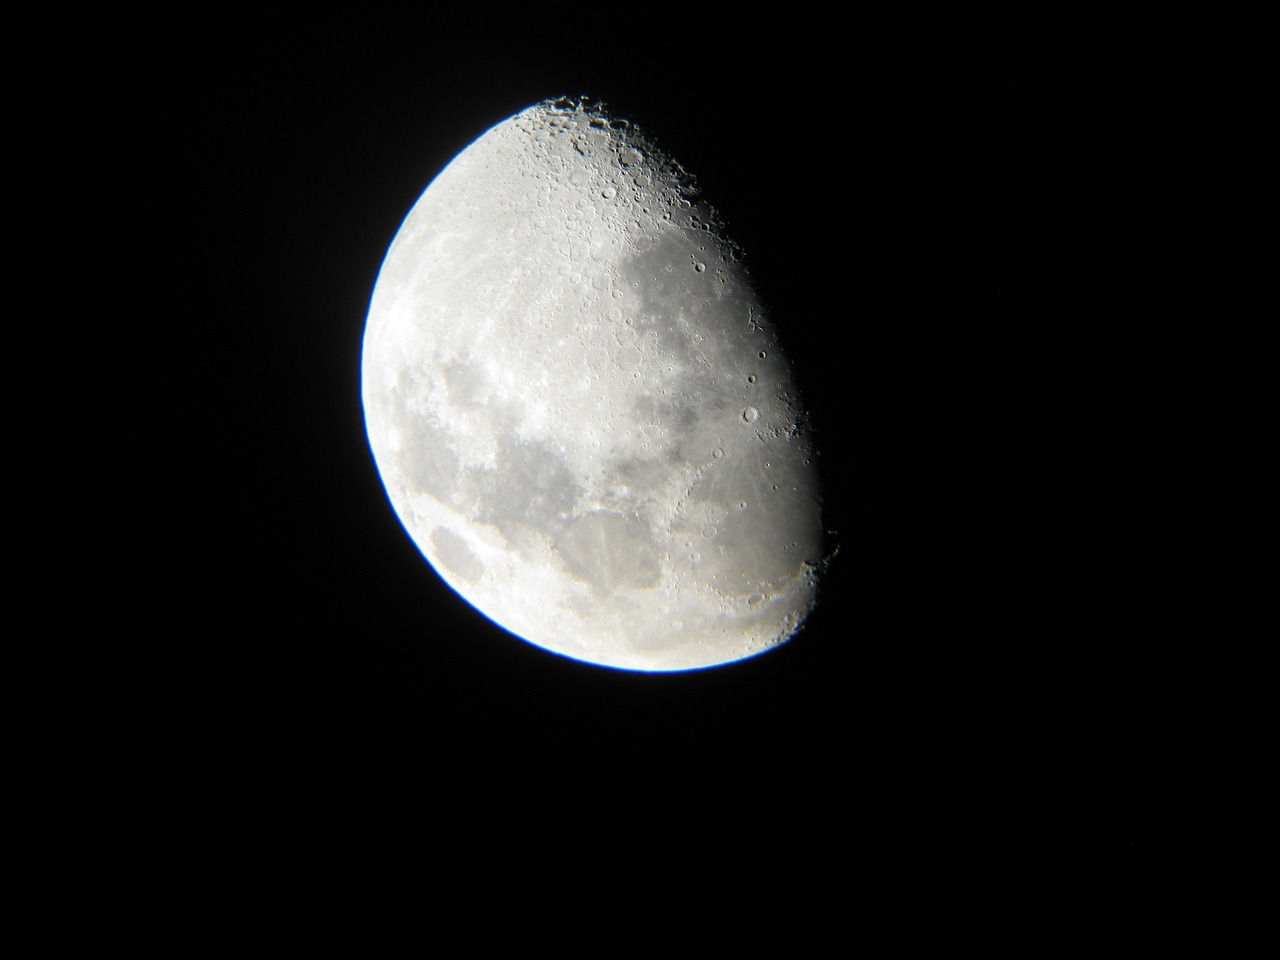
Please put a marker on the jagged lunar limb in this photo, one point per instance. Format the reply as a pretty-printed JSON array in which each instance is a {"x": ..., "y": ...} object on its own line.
[{"x": 578, "y": 406}]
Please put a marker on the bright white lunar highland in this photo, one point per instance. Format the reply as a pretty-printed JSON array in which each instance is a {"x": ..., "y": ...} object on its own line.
[{"x": 578, "y": 406}]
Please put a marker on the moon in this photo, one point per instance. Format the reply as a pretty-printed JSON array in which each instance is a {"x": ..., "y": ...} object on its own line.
[{"x": 579, "y": 407}]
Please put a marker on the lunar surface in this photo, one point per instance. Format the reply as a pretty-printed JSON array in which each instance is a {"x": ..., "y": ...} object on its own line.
[{"x": 579, "y": 408}]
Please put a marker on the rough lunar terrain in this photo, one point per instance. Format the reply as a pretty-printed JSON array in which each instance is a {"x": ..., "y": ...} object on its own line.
[{"x": 579, "y": 408}]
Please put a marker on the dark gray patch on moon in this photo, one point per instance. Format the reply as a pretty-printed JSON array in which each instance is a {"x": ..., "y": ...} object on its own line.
[
  {"x": 425, "y": 460},
  {"x": 529, "y": 487},
  {"x": 764, "y": 542},
  {"x": 641, "y": 474},
  {"x": 467, "y": 385},
  {"x": 455, "y": 556},
  {"x": 664, "y": 280},
  {"x": 610, "y": 550}
]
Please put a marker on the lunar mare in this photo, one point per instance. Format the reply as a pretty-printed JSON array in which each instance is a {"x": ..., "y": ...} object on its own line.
[{"x": 579, "y": 407}]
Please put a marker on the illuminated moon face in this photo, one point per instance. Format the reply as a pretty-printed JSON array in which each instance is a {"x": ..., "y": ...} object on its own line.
[{"x": 578, "y": 406}]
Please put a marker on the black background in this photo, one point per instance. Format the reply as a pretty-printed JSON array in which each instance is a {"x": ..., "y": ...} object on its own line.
[{"x": 311, "y": 685}]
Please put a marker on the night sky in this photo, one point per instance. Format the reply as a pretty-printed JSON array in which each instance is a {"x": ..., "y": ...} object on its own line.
[{"x": 314, "y": 685}]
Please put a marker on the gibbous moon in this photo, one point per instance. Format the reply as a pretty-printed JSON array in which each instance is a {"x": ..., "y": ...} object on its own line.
[{"x": 579, "y": 408}]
